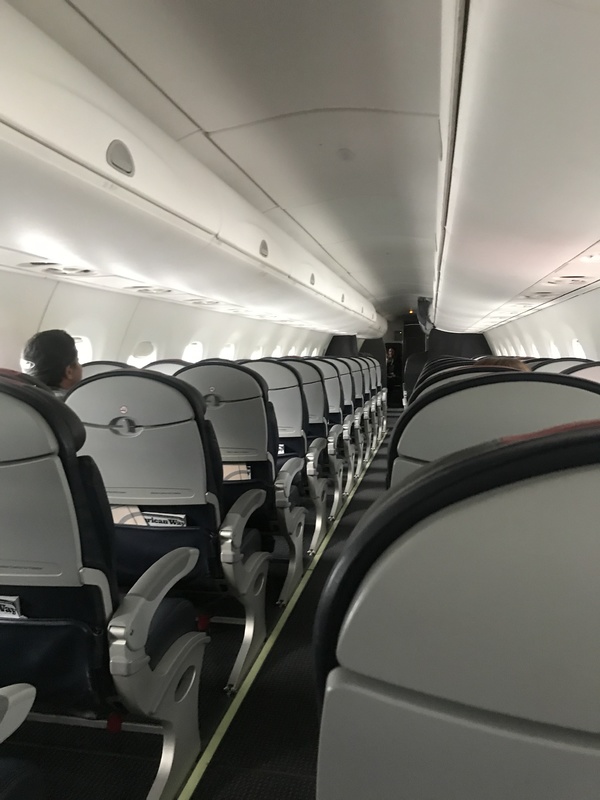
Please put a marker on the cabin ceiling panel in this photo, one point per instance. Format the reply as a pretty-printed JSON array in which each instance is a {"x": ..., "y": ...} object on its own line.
[
  {"x": 525, "y": 192},
  {"x": 338, "y": 220},
  {"x": 339, "y": 155},
  {"x": 396, "y": 261},
  {"x": 364, "y": 185},
  {"x": 235, "y": 62}
]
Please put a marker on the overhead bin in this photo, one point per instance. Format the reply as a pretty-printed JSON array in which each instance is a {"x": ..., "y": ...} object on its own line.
[{"x": 151, "y": 212}]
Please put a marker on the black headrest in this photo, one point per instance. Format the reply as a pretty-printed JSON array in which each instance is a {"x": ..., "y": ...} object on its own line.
[
  {"x": 23, "y": 379},
  {"x": 106, "y": 363},
  {"x": 179, "y": 361},
  {"x": 428, "y": 491},
  {"x": 65, "y": 424}
]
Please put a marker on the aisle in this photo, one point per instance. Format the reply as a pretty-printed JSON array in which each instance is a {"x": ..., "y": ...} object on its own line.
[{"x": 269, "y": 751}]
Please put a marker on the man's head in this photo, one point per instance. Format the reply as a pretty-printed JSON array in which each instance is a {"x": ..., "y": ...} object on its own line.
[{"x": 51, "y": 357}]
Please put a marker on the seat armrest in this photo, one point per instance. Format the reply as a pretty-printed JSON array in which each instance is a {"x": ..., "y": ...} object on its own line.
[
  {"x": 316, "y": 448},
  {"x": 348, "y": 425},
  {"x": 131, "y": 621},
  {"x": 333, "y": 438},
  {"x": 15, "y": 703},
  {"x": 284, "y": 480},
  {"x": 235, "y": 522}
]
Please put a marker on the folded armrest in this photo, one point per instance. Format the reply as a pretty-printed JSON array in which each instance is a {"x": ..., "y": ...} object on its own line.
[
  {"x": 15, "y": 704},
  {"x": 333, "y": 438},
  {"x": 235, "y": 522},
  {"x": 284, "y": 479},
  {"x": 316, "y": 448},
  {"x": 348, "y": 424},
  {"x": 131, "y": 621}
]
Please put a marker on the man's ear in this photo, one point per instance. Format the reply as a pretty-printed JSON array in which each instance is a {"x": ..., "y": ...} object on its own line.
[{"x": 69, "y": 376}]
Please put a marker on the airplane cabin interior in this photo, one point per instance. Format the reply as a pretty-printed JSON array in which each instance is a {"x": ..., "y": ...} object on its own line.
[{"x": 299, "y": 399}]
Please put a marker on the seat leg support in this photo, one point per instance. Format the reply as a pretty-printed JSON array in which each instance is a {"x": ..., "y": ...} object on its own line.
[
  {"x": 350, "y": 458},
  {"x": 248, "y": 582},
  {"x": 168, "y": 695},
  {"x": 291, "y": 525},
  {"x": 336, "y": 476},
  {"x": 358, "y": 443},
  {"x": 318, "y": 493}
]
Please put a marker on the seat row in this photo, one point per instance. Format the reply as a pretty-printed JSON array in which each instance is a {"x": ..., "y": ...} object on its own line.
[
  {"x": 201, "y": 472},
  {"x": 456, "y": 404},
  {"x": 481, "y": 571},
  {"x": 480, "y": 567}
]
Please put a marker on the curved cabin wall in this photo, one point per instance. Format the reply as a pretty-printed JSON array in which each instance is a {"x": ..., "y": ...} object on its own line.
[
  {"x": 116, "y": 324},
  {"x": 568, "y": 328},
  {"x": 59, "y": 120}
]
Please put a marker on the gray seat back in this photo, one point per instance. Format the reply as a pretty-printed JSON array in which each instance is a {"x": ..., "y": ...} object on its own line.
[
  {"x": 377, "y": 367},
  {"x": 333, "y": 383},
  {"x": 313, "y": 385},
  {"x": 346, "y": 379},
  {"x": 372, "y": 374},
  {"x": 285, "y": 392},
  {"x": 235, "y": 405},
  {"x": 476, "y": 573},
  {"x": 358, "y": 378},
  {"x": 100, "y": 367},
  {"x": 472, "y": 411},
  {"x": 143, "y": 432},
  {"x": 40, "y": 533}
]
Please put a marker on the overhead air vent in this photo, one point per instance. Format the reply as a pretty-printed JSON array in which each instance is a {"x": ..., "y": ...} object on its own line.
[
  {"x": 72, "y": 272},
  {"x": 264, "y": 248},
  {"x": 151, "y": 290},
  {"x": 312, "y": 279},
  {"x": 119, "y": 157},
  {"x": 204, "y": 301}
]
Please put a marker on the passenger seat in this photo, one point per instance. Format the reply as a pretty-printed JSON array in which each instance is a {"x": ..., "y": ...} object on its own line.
[{"x": 456, "y": 643}]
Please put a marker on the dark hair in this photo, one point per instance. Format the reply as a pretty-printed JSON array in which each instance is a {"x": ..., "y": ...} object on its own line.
[
  {"x": 503, "y": 361},
  {"x": 49, "y": 353}
]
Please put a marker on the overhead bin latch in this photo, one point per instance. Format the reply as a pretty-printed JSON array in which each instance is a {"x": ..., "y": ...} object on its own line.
[{"x": 119, "y": 156}]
